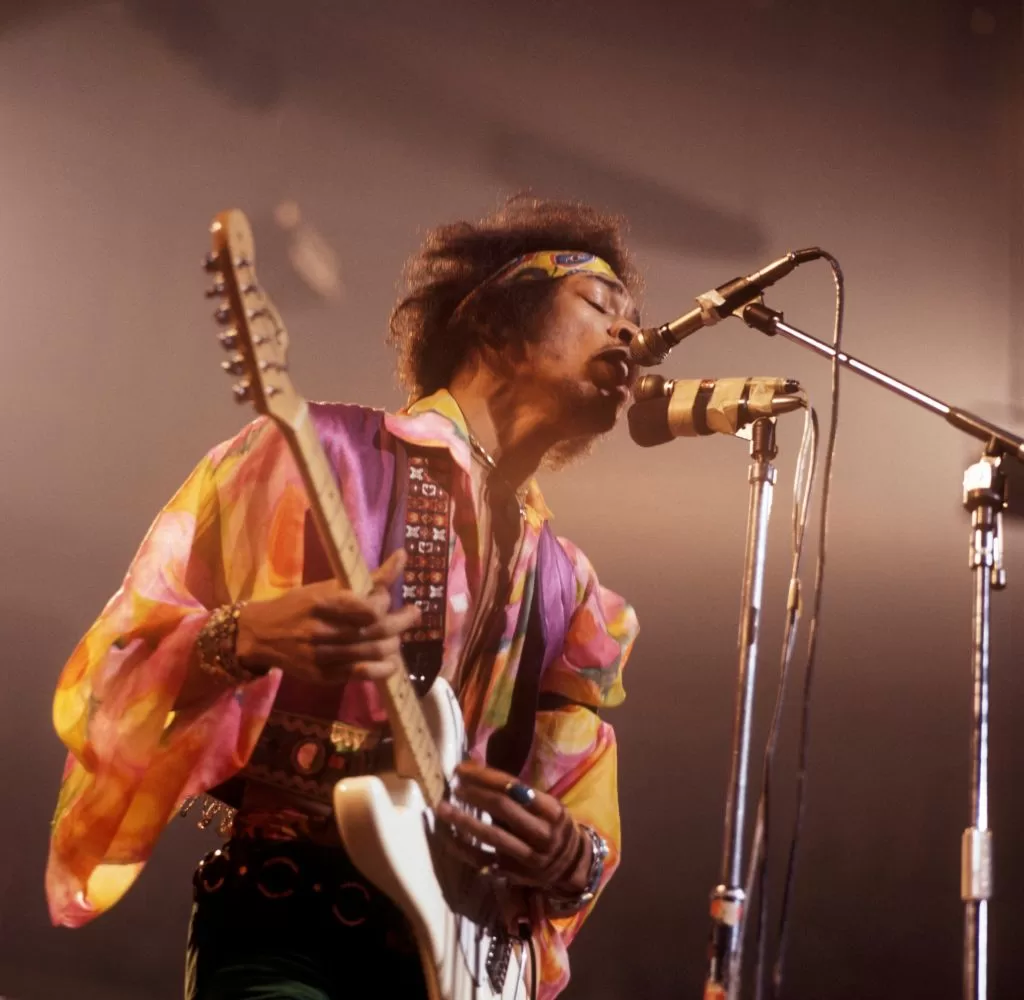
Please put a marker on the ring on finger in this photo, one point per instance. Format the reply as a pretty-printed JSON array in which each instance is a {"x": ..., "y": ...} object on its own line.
[{"x": 521, "y": 794}]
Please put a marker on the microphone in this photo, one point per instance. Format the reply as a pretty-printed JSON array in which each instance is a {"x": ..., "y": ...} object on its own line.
[
  {"x": 651, "y": 346},
  {"x": 671, "y": 408}
]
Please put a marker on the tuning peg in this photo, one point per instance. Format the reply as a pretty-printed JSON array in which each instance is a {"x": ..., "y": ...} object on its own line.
[
  {"x": 211, "y": 262},
  {"x": 242, "y": 262},
  {"x": 216, "y": 290},
  {"x": 234, "y": 365},
  {"x": 241, "y": 391},
  {"x": 228, "y": 339},
  {"x": 256, "y": 313},
  {"x": 222, "y": 314}
]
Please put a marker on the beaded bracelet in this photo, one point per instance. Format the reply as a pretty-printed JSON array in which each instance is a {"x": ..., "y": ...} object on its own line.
[
  {"x": 559, "y": 906},
  {"x": 215, "y": 646}
]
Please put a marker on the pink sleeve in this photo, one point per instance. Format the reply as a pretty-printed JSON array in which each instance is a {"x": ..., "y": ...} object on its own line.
[
  {"x": 574, "y": 753},
  {"x": 131, "y": 759}
]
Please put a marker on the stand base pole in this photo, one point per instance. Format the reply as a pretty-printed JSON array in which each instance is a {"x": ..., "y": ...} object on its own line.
[
  {"x": 975, "y": 890},
  {"x": 976, "y": 950},
  {"x": 984, "y": 497},
  {"x": 728, "y": 898}
]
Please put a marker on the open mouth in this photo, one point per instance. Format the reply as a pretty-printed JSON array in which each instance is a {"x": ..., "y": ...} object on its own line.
[{"x": 618, "y": 372}]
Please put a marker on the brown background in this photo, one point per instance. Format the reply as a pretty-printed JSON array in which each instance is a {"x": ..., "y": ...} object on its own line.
[{"x": 729, "y": 132}]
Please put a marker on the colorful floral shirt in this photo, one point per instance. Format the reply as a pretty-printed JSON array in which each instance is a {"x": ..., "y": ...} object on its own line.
[{"x": 234, "y": 531}]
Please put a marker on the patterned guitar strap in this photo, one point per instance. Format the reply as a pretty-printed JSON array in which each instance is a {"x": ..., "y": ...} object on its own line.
[{"x": 428, "y": 546}]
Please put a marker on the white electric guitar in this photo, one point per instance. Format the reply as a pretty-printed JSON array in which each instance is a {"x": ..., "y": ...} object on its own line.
[{"x": 386, "y": 821}]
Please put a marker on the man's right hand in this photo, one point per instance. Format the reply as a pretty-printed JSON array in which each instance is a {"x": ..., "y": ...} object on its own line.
[{"x": 324, "y": 634}]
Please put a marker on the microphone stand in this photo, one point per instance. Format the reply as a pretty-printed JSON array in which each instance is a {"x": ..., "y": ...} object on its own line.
[
  {"x": 728, "y": 899},
  {"x": 984, "y": 497}
]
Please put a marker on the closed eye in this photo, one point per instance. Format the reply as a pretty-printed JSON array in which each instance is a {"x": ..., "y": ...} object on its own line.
[{"x": 600, "y": 308}]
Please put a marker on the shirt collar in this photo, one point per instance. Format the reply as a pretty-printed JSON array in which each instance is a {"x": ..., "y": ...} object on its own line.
[{"x": 436, "y": 421}]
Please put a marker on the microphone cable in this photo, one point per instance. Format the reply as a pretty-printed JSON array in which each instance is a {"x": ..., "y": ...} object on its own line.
[
  {"x": 806, "y": 465},
  {"x": 812, "y": 635},
  {"x": 803, "y": 483}
]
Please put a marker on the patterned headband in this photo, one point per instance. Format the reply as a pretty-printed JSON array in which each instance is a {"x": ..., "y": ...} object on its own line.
[
  {"x": 542, "y": 265},
  {"x": 551, "y": 264}
]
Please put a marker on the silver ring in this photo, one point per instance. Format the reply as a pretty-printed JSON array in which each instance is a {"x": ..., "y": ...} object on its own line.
[{"x": 521, "y": 794}]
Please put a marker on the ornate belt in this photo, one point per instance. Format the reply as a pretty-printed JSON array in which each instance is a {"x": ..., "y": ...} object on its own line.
[{"x": 306, "y": 756}]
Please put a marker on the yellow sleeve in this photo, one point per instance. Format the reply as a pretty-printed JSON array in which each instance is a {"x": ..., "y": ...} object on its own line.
[
  {"x": 131, "y": 760},
  {"x": 574, "y": 753}
]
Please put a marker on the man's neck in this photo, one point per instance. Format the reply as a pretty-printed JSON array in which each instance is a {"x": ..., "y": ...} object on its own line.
[{"x": 514, "y": 433}]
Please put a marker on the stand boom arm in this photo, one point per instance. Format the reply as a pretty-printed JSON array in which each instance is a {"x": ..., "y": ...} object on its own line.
[{"x": 760, "y": 317}]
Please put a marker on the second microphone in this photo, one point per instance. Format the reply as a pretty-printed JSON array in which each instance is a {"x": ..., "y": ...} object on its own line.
[{"x": 670, "y": 408}]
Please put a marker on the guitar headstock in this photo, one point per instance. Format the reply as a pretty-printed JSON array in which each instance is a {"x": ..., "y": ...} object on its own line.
[{"x": 254, "y": 333}]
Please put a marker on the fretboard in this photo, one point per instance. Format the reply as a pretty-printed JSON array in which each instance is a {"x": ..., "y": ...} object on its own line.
[{"x": 408, "y": 723}]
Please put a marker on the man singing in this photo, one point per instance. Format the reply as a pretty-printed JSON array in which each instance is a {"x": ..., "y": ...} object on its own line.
[{"x": 231, "y": 663}]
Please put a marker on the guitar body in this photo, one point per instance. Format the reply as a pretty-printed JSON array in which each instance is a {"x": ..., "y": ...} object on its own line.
[
  {"x": 389, "y": 833},
  {"x": 387, "y": 821}
]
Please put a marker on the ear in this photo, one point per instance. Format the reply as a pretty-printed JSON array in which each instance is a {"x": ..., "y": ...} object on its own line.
[
  {"x": 484, "y": 358},
  {"x": 502, "y": 356}
]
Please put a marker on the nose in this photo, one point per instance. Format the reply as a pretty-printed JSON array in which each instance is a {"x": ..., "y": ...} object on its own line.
[{"x": 625, "y": 332}]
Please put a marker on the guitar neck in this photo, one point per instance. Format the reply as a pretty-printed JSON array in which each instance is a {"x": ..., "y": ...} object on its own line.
[{"x": 408, "y": 723}]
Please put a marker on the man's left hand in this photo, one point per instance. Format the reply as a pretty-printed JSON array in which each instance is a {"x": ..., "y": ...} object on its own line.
[{"x": 536, "y": 841}]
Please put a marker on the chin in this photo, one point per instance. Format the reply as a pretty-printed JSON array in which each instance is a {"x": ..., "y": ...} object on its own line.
[
  {"x": 607, "y": 410},
  {"x": 592, "y": 418},
  {"x": 588, "y": 411}
]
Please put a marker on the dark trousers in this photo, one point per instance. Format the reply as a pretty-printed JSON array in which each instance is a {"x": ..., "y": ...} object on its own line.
[{"x": 294, "y": 921}]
